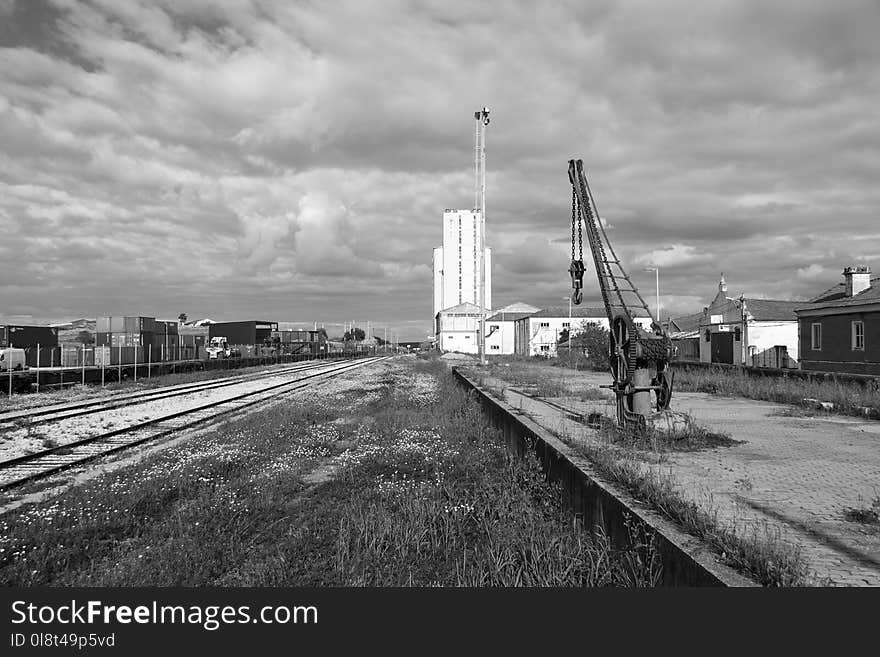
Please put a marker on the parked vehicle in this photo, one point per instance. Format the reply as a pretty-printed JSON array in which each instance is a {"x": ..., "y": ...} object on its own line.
[
  {"x": 218, "y": 348},
  {"x": 12, "y": 358}
]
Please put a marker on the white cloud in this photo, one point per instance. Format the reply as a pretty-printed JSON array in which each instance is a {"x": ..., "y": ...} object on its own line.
[{"x": 309, "y": 150}]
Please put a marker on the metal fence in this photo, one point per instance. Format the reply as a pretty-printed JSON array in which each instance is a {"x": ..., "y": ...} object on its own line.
[{"x": 774, "y": 357}]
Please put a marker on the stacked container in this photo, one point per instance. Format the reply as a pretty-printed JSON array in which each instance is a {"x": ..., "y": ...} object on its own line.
[
  {"x": 166, "y": 342},
  {"x": 129, "y": 338},
  {"x": 193, "y": 340}
]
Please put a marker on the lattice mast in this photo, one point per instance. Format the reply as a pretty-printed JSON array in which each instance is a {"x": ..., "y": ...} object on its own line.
[
  {"x": 619, "y": 294},
  {"x": 481, "y": 120}
]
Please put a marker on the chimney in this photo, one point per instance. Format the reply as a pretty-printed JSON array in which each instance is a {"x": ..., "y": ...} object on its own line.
[{"x": 857, "y": 279}]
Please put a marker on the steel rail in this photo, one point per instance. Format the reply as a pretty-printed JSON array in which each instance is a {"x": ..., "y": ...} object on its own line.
[
  {"x": 87, "y": 445},
  {"x": 56, "y": 412}
]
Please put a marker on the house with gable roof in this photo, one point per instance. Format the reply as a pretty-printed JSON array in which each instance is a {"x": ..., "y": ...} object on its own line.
[
  {"x": 749, "y": 331},
  {"x": 840, "y": 328}
]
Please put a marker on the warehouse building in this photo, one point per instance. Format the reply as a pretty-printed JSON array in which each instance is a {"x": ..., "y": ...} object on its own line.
[
  {"x": 458, "y": 328},
  {"x": 33, "y": 339},
  {"x": 250, "y": 332},
  {"x": 500, "y": 328},
  {"x": 538, "y": 334}
]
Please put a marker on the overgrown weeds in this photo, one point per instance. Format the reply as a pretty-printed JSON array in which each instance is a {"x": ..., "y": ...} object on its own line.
[
  {"x": 423, "y": 493},
  {"x": 865, "y": 515},
  {"x": 849, "y": 398},
  {"x": 757, "y": 551},
  {"x": 683, "y": 435}
]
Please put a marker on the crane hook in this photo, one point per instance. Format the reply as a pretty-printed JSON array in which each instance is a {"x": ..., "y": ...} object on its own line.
[{"x": 576, "y": 269}]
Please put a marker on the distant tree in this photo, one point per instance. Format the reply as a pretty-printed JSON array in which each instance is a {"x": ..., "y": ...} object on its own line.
[
  {"x": 85, "y": 337},
  {"x": 359, "y": 334},
  {"x": 593, "y": 343},
  {"x": 182, "y": 318},
  {"x": 563, "y": 336}
]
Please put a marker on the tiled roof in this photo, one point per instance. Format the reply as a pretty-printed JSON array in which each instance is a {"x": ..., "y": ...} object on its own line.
[
  {"x": 837, "y": 292},
  {"x": 465, "y": 308},
  {"x": 868, "y": 296},
  {"x": 772, "y": 309},
  {"x": 582, "y": 312},
  {"x": 507, "y": 317},
  {"x": 685, "y": 323},
  {"x": 517, "y": 308}
]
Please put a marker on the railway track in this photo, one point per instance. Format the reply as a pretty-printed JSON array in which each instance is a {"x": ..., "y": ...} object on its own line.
[
  {"x": 53, "y": 413},
  {"x": 23, "y": 469}
]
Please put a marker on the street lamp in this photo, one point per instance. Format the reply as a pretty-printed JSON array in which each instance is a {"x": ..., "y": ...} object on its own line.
[
  {"x": 656, "y": 271},
  {"x": 569, "y": 323}
]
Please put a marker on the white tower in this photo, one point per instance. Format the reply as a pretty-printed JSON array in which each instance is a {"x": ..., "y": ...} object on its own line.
[{"x": 457, "y": 263}]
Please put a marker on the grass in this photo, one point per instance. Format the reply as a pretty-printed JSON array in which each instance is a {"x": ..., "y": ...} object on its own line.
[
  {"x": 848, "y": 398},
  {"x": 684, "y": 436},
  {"x": 420, "y": 492},
  {"x": 757, "y": 551},
  {"x": 541, "y": 380},
  {"x": 865, "y": 515}
]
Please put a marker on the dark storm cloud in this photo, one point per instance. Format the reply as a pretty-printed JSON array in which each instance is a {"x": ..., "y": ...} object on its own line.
[{"x": 248, "y": 157}]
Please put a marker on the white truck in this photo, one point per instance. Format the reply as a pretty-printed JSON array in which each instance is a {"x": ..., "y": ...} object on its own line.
[
  {"x": 12, "y": 359},
  {"x": 218, "y": 348}
]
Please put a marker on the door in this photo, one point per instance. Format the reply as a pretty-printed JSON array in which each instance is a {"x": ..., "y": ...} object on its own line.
[{"x": 722, "y": 348}]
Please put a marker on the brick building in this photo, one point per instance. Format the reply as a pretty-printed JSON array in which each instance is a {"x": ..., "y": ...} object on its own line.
[{"x": 840, "y": 328}]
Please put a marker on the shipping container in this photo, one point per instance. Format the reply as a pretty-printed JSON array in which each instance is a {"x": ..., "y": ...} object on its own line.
[
  {"x": 28, "y": 336},
  {"x": 77, "y": 356},
  {"x": 167, "y": 326},
  {"x": 122, "y": 324},
  {"x": 164, "y": 347},
  {"x": 102, "y": 356},
  {"x": 48, "y": 356}
]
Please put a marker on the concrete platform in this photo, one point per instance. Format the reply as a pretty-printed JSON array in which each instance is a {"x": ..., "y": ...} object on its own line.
[{"x": 795, "y": 474}]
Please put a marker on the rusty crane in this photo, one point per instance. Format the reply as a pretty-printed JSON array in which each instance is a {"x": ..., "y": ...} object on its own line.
[{"x": 639, "y": 357}]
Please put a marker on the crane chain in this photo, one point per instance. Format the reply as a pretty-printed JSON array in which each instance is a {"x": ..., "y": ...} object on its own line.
[{"x": 573, "y": 220}]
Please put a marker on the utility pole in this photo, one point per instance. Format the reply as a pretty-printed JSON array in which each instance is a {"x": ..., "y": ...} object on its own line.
[
  {"x": 481, "y": 118},
  {"x": 569, "y": 324}
]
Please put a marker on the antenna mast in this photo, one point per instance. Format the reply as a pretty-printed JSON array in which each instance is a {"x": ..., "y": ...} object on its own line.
[{"x": 481, "y": 118}]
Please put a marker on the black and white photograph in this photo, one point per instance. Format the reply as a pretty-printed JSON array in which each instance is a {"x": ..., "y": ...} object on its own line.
[{"x": 419, "y": 294}]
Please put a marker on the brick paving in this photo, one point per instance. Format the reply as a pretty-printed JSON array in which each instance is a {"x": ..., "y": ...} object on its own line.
[{"x": 794, "y": 475}]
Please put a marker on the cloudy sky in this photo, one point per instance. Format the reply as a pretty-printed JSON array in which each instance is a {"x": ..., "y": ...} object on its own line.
[{"x": 291, "y": 160}]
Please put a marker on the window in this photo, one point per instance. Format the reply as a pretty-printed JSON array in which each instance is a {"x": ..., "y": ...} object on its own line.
[
  {"x": 566, "y": 324},
  {"x": 495, "y": 347},
  {"x": 545, "y": 324},
  {"x": 545, "y": 347},
  {"x": 858, "y": 336},
  {"x": 817, "y": 336},
  {"x": 494, "y": 327},
  {"x": 467, "y": 337},
  {"x": 737, "y": 334},
  {"x": 708, "y": 335}
]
